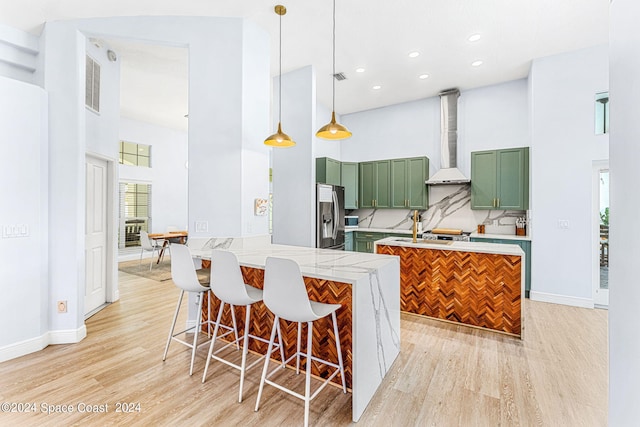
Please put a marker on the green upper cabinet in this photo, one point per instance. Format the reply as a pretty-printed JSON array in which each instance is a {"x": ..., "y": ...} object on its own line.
[
  {"x": 375, "y": 190},
  {"x": 408, "y": 189},
  {"x": 349, "y": 180},
  {"x": 327, "y": 171},
  {"x": 500, "y": 179}
]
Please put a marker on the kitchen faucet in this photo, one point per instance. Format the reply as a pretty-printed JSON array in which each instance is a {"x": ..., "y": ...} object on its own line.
[{"x": 415, "y": 226}]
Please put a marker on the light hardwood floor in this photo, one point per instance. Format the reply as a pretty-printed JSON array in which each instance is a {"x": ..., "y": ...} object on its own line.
[{"x": 446, "y": 375}]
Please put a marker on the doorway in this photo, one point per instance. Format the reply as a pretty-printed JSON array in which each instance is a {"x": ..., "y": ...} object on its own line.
[
  {"x": 601, "y": 233},
  {"x": 98, "y": 246}
]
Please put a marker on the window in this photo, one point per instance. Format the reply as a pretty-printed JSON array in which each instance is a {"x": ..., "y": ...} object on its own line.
[
  {"x": 135, "y": 208},
  {"x": 133, "y": 154},
  {"x": 92, "y": 85}
]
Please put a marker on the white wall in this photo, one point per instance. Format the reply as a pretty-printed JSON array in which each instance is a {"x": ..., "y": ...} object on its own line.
[
  {"x": 215, "y": 108},
  {"x": 563, "y": 89},
  {"x": 624, "y": 338},
  {"x": 23, "y": 172},
  {"x": 18, "y": 52},
  {"x": 488, "y": 118},
  {"x": 168, "y": 174},
  {"x": 294, "y": 193}
]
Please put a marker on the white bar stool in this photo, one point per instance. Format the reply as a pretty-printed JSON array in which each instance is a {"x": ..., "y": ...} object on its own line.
[
  {"x": 286, "y": 296},
  {"x": 183, "y": 274},
  {"x": 228, "y": 286}
]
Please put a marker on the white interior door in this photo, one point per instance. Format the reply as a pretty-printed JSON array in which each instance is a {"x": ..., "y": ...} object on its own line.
[{"x": 96, "y": 235}]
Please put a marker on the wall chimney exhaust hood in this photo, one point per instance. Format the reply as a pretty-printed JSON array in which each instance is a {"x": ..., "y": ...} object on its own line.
[{"x": 448, "y": 173}]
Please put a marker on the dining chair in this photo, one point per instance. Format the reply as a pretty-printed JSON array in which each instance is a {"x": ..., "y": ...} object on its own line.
[
  {"x": 151, "y": 245},
  {"x": 285, "y": 295}
]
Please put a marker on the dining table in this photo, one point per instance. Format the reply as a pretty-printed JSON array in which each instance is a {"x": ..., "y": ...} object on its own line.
[{"x": 179, "y": 236}]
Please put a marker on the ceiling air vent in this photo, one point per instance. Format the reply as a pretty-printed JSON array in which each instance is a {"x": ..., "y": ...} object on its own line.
[{"x": 340, "y": 76}]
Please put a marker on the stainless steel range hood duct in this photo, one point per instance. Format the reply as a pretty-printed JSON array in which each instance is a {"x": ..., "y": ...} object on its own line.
[{"x": 448, "y": 173}]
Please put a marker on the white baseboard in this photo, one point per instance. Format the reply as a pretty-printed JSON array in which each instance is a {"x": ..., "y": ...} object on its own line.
[
  {"x": 561, "y": 299},
  {"x": 68, "y": 336},
  {"x": 22, "y": 348},
  {"x": 32, "y": 345}
]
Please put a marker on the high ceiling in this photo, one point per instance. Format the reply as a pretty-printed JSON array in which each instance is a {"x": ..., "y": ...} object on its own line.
[{"x": 374, "y": 35}]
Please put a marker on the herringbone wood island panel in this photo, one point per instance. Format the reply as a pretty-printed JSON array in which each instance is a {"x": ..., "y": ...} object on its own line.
[{"x": 471, "y": 288}]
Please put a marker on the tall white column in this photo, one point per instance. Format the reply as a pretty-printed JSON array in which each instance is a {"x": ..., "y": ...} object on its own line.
[{"x": 624, "y": 297}]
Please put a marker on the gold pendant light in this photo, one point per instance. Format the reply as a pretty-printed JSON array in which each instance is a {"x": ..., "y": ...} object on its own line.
[
  {"x": 333, "y": 130},
  {"x": 280, "y": 139}
]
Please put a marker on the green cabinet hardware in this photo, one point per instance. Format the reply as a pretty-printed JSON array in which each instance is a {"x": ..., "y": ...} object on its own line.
[
  {"x": 500, "y": 179},
  {"x": 408, "y": 189},
  {"x": 327, "y": 171},
  {"x": 526, "y": 247}
]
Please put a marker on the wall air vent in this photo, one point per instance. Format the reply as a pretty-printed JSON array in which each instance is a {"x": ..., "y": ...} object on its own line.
[
  {"x": 340, "y": 76},
  {"x": 92, "y": 85}
]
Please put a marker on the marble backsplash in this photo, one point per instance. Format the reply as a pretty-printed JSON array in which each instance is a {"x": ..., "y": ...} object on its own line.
[{"x": 449, "y": 207}]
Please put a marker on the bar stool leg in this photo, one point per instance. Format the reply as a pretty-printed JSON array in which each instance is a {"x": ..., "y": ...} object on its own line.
[
  {"x": 196, "y": 332},
  {"x": 282, "y": 359},
  {"x": 266, "y": 360},
  {"x": 298, "y": 349},
  {"x": 235, "y": 325},
  {"x": 213, "y": 340},
  {"x": 339, "y": 350},
  {"x": 173, "y": 326},
  {"x": 307, "y": 384},
  {"x": 245, "y": 349}
]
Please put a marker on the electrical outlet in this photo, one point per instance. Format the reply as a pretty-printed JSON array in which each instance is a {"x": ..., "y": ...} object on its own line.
[
  {"x": 563, "y": 224},
  {"x": 62, "y": 306},
  {"x": 202, "y": 226}
]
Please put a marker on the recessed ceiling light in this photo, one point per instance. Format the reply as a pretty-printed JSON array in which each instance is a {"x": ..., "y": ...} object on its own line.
[
  {"x": 360, "y": 70},
  {"x": 376, "y": 87},
  {"x": 423, "y": 76},
  {"x": 413, "y": 54},
  {"x": 476, "y": 63},
  {"x": 474, "y": 37}
]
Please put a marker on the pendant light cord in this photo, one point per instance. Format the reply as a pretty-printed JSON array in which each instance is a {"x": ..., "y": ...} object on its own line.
[
  {"x": 333, "y": 76},
  {"x": 280, "y": 76}
]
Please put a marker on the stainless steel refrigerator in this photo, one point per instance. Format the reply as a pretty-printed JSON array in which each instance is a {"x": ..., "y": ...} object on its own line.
[{"x": 330, "y": 216}]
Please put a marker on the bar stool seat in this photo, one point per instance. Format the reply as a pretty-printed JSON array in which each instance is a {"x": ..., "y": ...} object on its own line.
[
  {"x": 227, "y": 284},
  {"x": 183, "y": 274},
  {"x": 285, "y": 295}
]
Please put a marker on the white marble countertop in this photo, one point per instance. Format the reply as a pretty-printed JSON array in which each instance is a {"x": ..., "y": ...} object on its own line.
[
  {"x": 329, "y": 264},
  {"x": 500, "y": 236},
  {"x": 480, "y": 247}
]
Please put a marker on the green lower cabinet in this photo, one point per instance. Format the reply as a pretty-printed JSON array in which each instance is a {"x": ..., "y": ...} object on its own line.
[
  {"x": 526, "y": 247},
  {"x": 348, "y": 241},
  {"x": 364, "y": 240}
]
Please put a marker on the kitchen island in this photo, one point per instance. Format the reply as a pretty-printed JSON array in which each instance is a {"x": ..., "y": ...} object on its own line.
[
  {"x": 472, "y": 283},
  {"x": 366, "y": 285}
]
